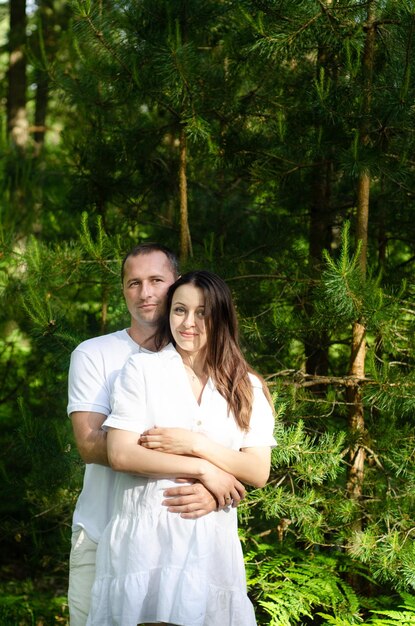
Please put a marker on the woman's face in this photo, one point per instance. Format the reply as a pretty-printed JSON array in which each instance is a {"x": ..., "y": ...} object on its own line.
[{"x": 187, "y": 319}]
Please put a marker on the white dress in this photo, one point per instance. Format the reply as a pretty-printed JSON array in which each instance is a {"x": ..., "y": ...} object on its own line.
[{"x": 155, "y": 566}]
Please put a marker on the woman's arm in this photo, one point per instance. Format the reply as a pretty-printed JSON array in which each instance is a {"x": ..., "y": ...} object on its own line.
[
  {"x": 125, "y": 455},
  {"x": 249, "y": 465}
]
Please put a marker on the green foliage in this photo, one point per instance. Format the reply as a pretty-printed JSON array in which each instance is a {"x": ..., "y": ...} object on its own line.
[
  {"x": 23, "y": 604},
  {"x": 397, "y": 618},
  {"x": 313, "y": 459},
  {"x": 302, "y": 464},
  {"x": 271, "y": 97},
  {"x": 289, "y": 585},
  {"x": 344, "y": 295},
  {"x": 390, "y": 556},
  {"x": 64, "y": 293},
  {"x": 403, "y": 617}
]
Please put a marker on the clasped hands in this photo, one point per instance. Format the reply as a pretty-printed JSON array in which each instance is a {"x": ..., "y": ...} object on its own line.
[{"x": 226, "y": 489}]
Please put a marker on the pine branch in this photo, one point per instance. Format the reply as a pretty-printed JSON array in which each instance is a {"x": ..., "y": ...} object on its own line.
[
  {"x": 302, "y": 380},
  {"x": 85, "y": 15}
]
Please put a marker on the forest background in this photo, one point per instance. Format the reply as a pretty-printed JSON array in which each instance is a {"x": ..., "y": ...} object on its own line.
[{"x": 271, "y": 141}]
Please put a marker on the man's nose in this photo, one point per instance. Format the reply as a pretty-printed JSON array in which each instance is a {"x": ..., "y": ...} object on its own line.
[{"x": 145, "y": 289}]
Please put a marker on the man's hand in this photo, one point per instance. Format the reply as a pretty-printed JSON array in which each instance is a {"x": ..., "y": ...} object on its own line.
[
  {"x": 194, "y": 501},
  {"x": 191, "y": 501}
]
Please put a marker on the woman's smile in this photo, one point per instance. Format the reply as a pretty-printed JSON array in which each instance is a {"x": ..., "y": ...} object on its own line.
[{"x": 187, "y": 319}]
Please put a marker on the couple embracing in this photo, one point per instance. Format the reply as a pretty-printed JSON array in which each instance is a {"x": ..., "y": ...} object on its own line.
[{"x": 170, "y": 397}]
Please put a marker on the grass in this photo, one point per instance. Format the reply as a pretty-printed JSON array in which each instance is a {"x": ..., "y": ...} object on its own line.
[{"x": 26, "y": 603}]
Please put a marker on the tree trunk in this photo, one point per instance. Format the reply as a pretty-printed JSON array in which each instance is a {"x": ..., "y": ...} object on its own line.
[
  {"x": 316, "y": 343},
  {"x": 45, "y": 12},
  {"x": 17, "y": 122},
  {"x": 104, "y": 307},
  {"x": 185, "y": 240},
  {"x": 357, "y": 455},
  {"x": 41, "y": 106}
]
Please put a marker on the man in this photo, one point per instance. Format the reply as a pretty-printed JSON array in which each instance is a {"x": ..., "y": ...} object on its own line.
[{"x": 147, "y": 272}]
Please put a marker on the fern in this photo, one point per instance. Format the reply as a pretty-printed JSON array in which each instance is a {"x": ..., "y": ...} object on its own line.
[
  {"x": 287, "y": 587},
  {"x": 406, "y": 617},
  {"x": 396, "y": 618}
]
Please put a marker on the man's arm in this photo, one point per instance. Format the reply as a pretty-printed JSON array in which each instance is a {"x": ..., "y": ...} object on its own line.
[
  {"x": 90, "y": 439},
  {"x": 191, "y": 501},
  {"x": 126, "y": 456}
]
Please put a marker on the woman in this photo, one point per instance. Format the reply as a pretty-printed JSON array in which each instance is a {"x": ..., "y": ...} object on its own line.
[{"x": 194, "y": 406}]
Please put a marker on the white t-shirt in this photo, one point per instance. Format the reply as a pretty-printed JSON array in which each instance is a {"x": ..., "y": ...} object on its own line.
[{"x": 94, "y": 366}]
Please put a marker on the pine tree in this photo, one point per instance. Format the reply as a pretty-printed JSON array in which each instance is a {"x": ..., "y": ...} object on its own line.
[
  {"x": 287, "y": 121},
  {"x": 336, "y": 57}
]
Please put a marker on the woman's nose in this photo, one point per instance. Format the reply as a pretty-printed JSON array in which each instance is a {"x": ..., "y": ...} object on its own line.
[{"x": 189, "y": 321}]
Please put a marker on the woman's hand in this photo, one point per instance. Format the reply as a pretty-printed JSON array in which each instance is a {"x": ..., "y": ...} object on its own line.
[
  {"x": 227, "y": 490},
  {"x": 170, "y": 440}
]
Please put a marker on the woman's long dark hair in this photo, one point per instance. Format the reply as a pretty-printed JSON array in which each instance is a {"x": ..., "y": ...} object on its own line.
[{"x": 225, "y": 362}]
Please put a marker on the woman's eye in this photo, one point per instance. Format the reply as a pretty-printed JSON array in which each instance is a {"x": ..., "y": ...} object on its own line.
[{"x": 179, "y": 309}]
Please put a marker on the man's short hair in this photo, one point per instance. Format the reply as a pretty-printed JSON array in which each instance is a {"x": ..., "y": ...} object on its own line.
[{"x": 147, "y": 248}]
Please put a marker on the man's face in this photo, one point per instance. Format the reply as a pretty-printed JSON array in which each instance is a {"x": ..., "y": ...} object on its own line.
[{"x": 147, "y": 278}]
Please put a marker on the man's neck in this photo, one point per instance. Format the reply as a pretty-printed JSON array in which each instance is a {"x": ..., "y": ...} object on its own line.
[{"x": 143, "y": 336}]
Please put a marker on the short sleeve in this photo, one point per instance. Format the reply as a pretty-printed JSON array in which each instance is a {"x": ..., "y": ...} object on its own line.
[
  {"x": 128, "y": 399},
  {"x": 262, "y": 423},
  {"x": 87, "y": 386}
]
